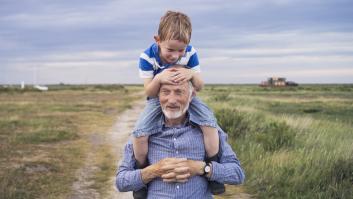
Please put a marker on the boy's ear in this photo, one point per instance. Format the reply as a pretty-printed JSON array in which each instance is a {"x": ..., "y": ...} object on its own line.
[{"x": 156, "y": 38}]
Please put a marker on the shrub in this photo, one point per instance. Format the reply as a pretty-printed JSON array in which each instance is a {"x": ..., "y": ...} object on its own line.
[
  {"x": 275, "y": 135},
  {"x": 233, "y": 122},
  {"x": 221, "y": 97}
]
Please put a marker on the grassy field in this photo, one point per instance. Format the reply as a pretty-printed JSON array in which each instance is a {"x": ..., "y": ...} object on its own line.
[
  {"x": 293, "y": 142},
  {"x": 44, "y": 137}
]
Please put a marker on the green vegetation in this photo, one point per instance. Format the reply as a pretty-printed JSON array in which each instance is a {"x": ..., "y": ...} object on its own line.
[
  {"x": 45, "y": 136},
  {"x": 294, "y": 142}
]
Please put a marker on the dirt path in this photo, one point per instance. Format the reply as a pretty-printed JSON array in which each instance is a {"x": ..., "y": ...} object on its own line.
[
  {"x": 116, "y": 138},
  {"x": 119, "y": 135}
]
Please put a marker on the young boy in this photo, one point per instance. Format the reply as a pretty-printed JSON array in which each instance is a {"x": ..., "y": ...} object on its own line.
[{"x": 172, "y": 60}]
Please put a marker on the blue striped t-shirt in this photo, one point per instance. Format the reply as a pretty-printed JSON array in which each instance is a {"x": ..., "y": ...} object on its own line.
[{"x": 150, "y": 63}]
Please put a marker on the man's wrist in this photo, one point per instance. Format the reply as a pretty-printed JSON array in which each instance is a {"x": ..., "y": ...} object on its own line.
[
  {"x": 197, "y": 167},
  {"x": 202, "y": 168},
  {"x": 149, "y": 173},
  {"x": 208, "y": 167}
]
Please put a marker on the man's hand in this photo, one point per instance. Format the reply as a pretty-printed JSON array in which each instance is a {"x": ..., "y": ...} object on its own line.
[
  {"x": 164, "y": 166},
  {"x": 183, "y": 170},
  {"x": 168, "y": 165},
  {"x": 179, "y": 172}
]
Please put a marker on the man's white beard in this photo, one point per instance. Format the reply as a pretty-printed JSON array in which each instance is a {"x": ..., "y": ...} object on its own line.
[{"x": 174, "y": 114}]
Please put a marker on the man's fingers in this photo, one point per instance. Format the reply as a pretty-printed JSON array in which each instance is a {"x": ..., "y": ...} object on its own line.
[
  {"x": 174, "y": 160},
  {"x": 168, "y": 165},
  {"x": 183, "y": 177},
  {"x": 182, "y": 181},
  {"x": 169, "y": 175},
  {"x": 171, "y": 180},
  {"x": 183, "y": 169}
]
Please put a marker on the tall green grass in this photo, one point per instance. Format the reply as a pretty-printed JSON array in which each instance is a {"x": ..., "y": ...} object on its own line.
[{"x": 293, "y": 143}]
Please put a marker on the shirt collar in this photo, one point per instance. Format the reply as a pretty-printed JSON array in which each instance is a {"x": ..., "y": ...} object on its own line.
[{"x": 187, "y": 121}]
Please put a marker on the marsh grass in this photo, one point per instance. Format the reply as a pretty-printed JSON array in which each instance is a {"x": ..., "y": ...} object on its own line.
[
  {"x": 292, "y": 142},
  {"x": 44, "y": 136}
]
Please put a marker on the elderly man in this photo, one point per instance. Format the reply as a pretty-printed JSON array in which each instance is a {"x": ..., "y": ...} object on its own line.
[{"x": 176, "y": 154}]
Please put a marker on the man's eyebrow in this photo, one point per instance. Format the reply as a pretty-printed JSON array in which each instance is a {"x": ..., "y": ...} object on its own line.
[{"x": 179, "y": 90}]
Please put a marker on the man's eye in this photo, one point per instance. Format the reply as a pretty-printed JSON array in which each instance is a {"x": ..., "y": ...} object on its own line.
[
  {"x": 165, "y": 92},
  {"x": 178, "y": 92}
]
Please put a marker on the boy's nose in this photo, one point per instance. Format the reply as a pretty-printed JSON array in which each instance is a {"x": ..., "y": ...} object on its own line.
[{"x": 175, "y": 55}]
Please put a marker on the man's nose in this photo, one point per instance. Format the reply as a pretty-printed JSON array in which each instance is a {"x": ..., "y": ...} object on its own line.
[{"x": 172, "y": 99}]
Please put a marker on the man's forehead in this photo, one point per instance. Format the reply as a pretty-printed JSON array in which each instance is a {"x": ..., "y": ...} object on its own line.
[{"x": 174, "y": 87}]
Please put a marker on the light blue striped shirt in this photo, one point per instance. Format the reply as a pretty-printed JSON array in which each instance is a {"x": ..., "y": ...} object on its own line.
[{"x": 185, "y": 141}]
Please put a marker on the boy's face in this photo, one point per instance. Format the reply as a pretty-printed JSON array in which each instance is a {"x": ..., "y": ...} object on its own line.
[{"x": 171, "y": 50}]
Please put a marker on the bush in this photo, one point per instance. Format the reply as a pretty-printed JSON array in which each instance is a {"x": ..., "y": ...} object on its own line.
[
  {"x": 233, "y": 122},
  {"x": 275, "y": 135},
  {"x": 221, "y": 97}
]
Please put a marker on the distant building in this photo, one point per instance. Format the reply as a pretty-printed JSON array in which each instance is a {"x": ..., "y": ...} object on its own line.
[{"x": 277, "y": 82}]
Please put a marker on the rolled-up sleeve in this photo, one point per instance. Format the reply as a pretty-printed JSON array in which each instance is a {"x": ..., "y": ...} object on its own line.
[
  {"x": 128, "y": 178},
  {"x": 228, "y": 170}
]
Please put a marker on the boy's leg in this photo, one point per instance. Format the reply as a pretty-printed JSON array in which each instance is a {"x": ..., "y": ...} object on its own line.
[
  {"x": 140, "y": 147},
  {"x": 211, "y": 140}
]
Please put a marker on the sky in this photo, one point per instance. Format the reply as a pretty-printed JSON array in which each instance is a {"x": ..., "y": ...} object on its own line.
[{"x": 238, "y": 41}]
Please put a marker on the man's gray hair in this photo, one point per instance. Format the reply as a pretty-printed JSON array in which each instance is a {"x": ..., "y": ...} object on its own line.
[{"x": 191, "y": 88}]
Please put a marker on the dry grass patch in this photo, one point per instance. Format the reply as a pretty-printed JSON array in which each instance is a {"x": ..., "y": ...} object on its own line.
[{"x": 44, "y": 136}]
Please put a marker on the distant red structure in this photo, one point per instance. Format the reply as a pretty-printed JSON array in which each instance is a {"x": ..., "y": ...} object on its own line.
[{"x": 277, "y": 82}]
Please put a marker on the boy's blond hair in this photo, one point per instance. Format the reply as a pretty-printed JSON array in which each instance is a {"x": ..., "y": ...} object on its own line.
[{"x": 175, "y": 26}]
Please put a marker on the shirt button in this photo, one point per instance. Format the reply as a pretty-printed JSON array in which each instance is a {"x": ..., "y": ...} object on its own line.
[
  {"x": 177, "y": 152},
  {"x": 177, "y": 186},
  {"x": 174, "y": 139}
]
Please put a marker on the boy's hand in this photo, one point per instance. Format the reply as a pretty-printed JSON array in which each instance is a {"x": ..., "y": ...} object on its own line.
[
  {"x": 167, "y": 76},
  {"x": 182, "y": 74}
]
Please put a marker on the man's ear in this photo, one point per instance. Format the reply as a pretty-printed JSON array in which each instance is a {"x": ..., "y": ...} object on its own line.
[{"x": 193, "y": 94}]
